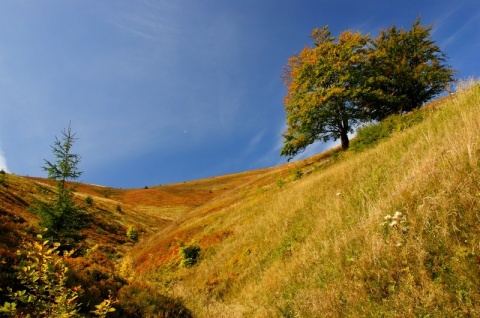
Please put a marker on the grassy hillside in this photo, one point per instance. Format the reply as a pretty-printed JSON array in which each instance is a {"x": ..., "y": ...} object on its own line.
[
  {"x": 389, "y": 230},
  {"x": 101, "y": 262},
  {"x": 330, "y": 245}
]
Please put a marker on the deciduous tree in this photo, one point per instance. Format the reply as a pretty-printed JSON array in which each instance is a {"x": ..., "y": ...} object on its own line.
[
  {"x": 325, "y": 90},
  {"x": 339, "y": 83},
  {"x": 409, "y": 69}
]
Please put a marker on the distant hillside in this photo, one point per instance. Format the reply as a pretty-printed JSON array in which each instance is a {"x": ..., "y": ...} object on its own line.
[
  {"x": 100, "y": 263},
  {"x": 389, "y": 230}
]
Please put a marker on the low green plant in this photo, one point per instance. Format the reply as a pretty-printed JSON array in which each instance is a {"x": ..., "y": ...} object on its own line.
[
  {"x": 42, "y": 273},
  {"x": 280, "y": 182},
  {"x": 118, "y": 208},
  {"x": 9, "y": 309},
  {"x": 89, "y": 200},
  {"x": 105, "y": 307},
  {"x": 371, "y": 134},
  {"x": 190, "y": 254},
  {"x": 297, "y": 174},
  {"x": 132, "y": 233}
]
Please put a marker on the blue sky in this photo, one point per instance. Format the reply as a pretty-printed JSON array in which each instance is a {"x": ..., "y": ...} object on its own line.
[{"x": 168, "y": 91}]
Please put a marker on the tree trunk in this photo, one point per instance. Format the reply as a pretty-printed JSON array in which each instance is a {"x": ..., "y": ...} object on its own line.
[
  {"x": 344, "y": 139},
  {"x": 344, "y": 134}
]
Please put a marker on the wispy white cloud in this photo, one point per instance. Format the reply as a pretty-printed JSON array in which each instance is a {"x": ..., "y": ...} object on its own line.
[
  {"x": 272, "y": 156},
  {"x": 254, "y": 142},
  {"x": 152, "y": 22},
  {"x": 447, "y": 23},
  {"x": 3, "y": 160},
  {"x": 443, "y": 20}
]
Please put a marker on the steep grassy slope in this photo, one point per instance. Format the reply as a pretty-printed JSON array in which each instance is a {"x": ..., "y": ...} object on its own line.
[{"x": 389, "y": 232}]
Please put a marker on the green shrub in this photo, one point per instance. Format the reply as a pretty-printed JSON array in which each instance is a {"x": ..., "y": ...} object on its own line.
[
  {"x": 118, "y": 208},
  {"x": 297, "y": 174},
  {"x": 89, "y": 200},
  {"x": 190, "y": 255},
  {"x": 42, "y": 273},
  {"x": 280, "y": 182},
  {"x": 132, "y": 233},
  {"x": 371, "y": 134}
]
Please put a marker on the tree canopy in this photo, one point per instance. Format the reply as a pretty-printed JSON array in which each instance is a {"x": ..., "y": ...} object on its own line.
[
  {"x": 338, "y": 83},
  {"x": 325, "y": 89},
  {"x": 408, "y": 69}
]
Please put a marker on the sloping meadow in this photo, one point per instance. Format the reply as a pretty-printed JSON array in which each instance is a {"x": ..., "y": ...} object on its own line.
[{"x": 388, "y": 232}]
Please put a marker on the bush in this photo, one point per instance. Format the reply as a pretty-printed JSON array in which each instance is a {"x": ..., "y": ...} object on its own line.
[
  {"x": 89, "y": 200},
  {"x": 132, "y": 233},
  {"x": 42, "y": 273},
  {"x": 297, "y": 174},
  {"x": 280, "y": 182},
  {"x": 371, "y": 134},
  {"x": 190, "y": 254}
]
